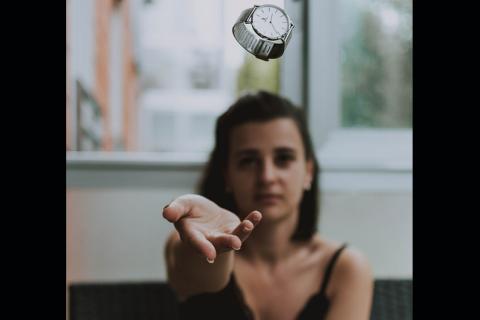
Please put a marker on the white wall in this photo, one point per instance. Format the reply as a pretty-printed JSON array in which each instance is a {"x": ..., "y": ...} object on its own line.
[
  {"x": 115, "y": 230},
  {"x": 116, "y": 234},
  {"x": 378, "y": 223}
]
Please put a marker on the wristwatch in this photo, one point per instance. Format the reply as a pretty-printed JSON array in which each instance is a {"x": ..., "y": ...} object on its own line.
[{"x": 264, "y": 31}]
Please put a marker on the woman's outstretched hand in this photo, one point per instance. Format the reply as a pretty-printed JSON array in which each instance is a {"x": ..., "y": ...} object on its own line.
[{"x": 208, "y": 228}]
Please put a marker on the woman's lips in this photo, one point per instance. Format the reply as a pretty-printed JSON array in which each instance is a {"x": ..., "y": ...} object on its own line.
[{"x": 268, "y": 198}]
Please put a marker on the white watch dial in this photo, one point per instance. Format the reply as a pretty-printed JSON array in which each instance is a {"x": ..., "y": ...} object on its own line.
[{"x": 270, "y": 21}]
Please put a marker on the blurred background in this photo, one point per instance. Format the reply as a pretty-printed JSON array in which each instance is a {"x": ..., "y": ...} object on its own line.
[{"x": 146, "y": 80}]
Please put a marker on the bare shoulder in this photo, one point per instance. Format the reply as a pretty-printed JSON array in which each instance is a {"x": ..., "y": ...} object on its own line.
[
  {"x": 318, "y": 252},
  {"x": 352, "y": 271},
  {"x": 351, "y": 259},
  {"x": 324, "y": 245},
  {"x": 353, "y": 262},
  {"x": 351, "y": 268}
]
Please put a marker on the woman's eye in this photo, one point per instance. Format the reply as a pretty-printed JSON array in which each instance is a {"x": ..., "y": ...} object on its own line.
[
  {"x": 246, "y": 162},
  {"x": 284, "y": 159}
]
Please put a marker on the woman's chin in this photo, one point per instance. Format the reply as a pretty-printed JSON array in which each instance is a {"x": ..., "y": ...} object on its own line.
[
  {"x": 272, "y": 212},
  {"x": 267, "y": 207}
]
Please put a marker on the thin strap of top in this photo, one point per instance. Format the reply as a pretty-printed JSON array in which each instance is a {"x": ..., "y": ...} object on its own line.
[{"x": 329, "y": 269}]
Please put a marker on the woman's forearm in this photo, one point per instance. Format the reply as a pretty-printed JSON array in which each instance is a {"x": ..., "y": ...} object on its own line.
[{"x": 190, "y": 273}]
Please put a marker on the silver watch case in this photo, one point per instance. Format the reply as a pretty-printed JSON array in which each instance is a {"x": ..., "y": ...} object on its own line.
[{"x": 258, "y": 44}]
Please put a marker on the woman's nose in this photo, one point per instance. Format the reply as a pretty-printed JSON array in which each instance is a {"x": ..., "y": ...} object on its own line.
[{"x": 267, "y": 171}]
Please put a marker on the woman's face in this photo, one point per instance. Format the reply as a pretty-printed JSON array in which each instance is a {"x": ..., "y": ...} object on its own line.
[{"x": 267, "y": 169}]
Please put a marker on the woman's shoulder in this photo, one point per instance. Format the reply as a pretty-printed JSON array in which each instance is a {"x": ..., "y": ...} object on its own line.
[
  {"x": 349, "y": 254},
  {"x": 320, "y": 252},
  {"x": 351, "y": 268},
  {"x": 351, "y": 263},
  {"x": 323, "y": 245},
  {"x": 316, "y": 253}
]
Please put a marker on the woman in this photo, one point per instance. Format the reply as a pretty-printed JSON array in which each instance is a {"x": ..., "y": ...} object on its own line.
[{"x": 261, "y": 184}]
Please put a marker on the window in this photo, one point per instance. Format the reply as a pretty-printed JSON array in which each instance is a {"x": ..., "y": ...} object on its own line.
[
  {"x": 161, "y": 71},
  {"x": 360, "y": 83},
  {"x": 349, "y": 63},
  {"x": 192, "y": 70}
]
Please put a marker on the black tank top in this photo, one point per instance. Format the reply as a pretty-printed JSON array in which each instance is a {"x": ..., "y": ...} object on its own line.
[{"x": 229, "y": 303}]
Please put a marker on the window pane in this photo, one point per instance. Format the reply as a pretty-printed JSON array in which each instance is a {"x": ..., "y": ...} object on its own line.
[
  {"x": 376, "y": 55},
  {"x": 192, "y": 69},
  {"x": 157, "y": 73}
]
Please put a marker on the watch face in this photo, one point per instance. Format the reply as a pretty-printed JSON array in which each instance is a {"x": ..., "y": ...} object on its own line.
[{"x": 270, "y": 21}]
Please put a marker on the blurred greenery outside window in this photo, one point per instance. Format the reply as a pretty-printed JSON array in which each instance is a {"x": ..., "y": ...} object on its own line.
[
  {"x": 256, "y": 74},
  {"x": 376, "y": 63}
]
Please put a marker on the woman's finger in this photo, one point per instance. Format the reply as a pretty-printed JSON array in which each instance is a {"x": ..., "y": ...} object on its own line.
[
  {"x": 198, "y": 241},
  {"x": 245, "y": 228},
  {"x": 177, "y": 209},
  {"x": 226, "y": 242}
]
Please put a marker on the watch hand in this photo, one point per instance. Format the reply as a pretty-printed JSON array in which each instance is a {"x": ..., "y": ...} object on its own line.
[{"x": 275, "y": 29}]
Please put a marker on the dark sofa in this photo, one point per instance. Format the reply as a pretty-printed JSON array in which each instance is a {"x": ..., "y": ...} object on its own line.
[{"x": 156, "y": 301}]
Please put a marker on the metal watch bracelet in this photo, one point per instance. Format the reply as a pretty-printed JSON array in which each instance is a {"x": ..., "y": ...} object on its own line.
[{"x": 261, "y": 48}]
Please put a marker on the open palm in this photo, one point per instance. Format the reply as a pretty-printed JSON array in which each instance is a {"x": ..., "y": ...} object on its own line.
[{"x": 208, "y": 228}]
